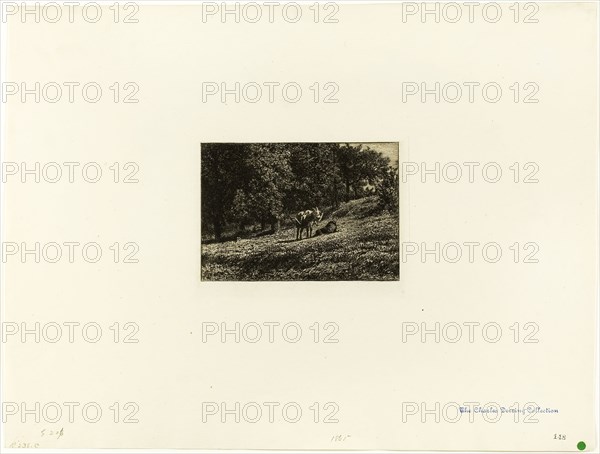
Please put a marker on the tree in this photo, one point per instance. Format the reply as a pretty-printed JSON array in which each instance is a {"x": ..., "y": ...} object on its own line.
[
  {"x": 219, "y": 164},
  {"x": 264, "y": 177},
  {"x": 316, "y": 176},
  {"x": 387, "y": 190},
  {"x": 360, "y": 167}
]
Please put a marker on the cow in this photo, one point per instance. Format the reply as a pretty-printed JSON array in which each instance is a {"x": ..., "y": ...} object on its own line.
[
  {"x": 305, "y": 220},
  {"x": 331, "y": 227}
]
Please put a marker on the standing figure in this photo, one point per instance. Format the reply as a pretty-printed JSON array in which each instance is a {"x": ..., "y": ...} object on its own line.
[{"x": 306, "y": 220}]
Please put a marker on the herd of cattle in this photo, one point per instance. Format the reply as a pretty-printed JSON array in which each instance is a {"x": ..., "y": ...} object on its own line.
[{"x": 305, "y": 220}]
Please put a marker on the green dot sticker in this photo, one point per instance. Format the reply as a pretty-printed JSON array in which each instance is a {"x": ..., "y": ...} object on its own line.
[{"x": 581, "y": 445}]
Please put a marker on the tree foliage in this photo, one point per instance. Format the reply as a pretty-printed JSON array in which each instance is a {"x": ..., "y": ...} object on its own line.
[{"x": 387, "y": 190}]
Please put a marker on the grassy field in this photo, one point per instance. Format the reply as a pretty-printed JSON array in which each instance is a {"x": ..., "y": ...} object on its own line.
[{"x": 365, "y": 247}]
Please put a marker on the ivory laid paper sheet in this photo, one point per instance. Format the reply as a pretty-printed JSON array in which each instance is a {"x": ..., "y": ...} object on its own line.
[{"x": 303, "y": 226}]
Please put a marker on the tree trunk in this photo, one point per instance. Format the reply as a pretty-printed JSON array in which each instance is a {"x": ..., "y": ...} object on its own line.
[
  {"x": 218, "y": 229},
  {"x": 347, "y": 191},
  {"x": 275, "y": 225},
  {"x": 334, "y": 194}
]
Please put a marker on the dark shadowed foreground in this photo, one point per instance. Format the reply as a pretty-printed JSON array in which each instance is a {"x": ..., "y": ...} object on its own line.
[{"x": 365, "y": 247}]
